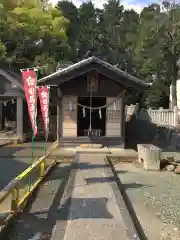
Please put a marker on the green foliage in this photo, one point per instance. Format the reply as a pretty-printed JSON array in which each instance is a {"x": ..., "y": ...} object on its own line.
[
  {"x": 158, "y": 95},
  {"x": 24, "y": 24},
  {"x": 2, "y": 51},
  {"x": 70, "y": 12},
  {"x": 146, "y": 45}
]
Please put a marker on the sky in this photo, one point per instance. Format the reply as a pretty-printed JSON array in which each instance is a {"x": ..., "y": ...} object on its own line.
[{"x": 137, "y": 5}]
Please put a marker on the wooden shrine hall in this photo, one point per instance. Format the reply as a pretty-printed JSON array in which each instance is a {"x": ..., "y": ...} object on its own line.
[{"x": 90, "y": 102}]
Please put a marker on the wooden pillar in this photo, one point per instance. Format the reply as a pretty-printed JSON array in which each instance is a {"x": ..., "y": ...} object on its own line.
[
  {"x": 121, "y": 116},
  {"x": 59, "y": 116},
  {"x": 113, "y": 127},
  {"x": 1, "y": 115},
  {"x": 69, "y": 128},
  {"x": 19, "y": 118}
]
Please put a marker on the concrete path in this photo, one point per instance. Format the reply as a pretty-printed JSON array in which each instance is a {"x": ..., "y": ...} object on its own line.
[{"x": 97, "y": 210}]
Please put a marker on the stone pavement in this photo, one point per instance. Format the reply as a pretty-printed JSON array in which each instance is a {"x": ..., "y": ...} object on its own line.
[
  {"x": 77, "y": 201},
  {"x": 96, "y": 209}
]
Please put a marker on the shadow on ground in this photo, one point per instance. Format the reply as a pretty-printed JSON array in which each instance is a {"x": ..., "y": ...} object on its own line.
[
  {"x": 10, "y": 168},
  {"x": 95, "y": 180},
  {"x": 84, "y": 208},
  {"x": 14, "y": 159},
  {"x": 23, "y": 150},
  {"x": 86, "y": 166},
  {"x": 113, "y": 179}
]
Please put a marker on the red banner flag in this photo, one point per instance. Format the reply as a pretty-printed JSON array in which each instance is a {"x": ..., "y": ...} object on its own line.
[
  {"x": 30, "y": 80},
  {"x": 43, "y": 93}
]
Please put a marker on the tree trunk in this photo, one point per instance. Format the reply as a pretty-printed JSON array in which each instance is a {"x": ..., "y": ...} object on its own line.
[{"x": 173, "y": 92}]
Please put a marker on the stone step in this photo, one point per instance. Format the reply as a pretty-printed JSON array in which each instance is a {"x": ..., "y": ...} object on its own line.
[
  {"x": 74, "y": 145},
  {"x": 91, "y": 145}
]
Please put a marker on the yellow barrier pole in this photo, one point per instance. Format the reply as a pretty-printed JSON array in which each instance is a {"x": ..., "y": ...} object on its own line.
[
  {"x": 15, "y": 199},
  {"x": 42, "y": 168}
]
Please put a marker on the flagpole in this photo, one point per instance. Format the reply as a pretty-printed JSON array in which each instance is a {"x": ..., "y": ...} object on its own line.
[
  {"x": 35, "y": 116},
  {"x": 45, "y": 145},
  {"x": 47, "y": 130},
  {"x": 30, "y": 89},
  {"x": 44, "y": 98},
  {"x": 32, "y": 158},
  {"x": 33, "y": 136}
]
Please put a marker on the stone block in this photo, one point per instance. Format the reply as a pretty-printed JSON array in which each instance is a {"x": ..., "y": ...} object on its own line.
[
  {"x": 150, "y": 155},
  {"x": 140, "y": 153}
]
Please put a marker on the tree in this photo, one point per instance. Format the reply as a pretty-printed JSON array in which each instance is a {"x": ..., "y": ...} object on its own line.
[
  {"x": 149, "y": 54},
  {"x": 129, "y": 30},
  {"x": 88, "y": 29},
  {"x": 2, "y": 25},
  {"x": 112, "y": 46},
  {"x": 70, "y": 11},
  {"x": 172, "y": 44},
  {"x": 146, "y": 45},
  {"x": 118, "y": 30},
  {"x": 2, "y": 51},
  {"x": 26, "y": 24}
]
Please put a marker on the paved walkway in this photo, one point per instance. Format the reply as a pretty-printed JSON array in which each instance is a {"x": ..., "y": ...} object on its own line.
[
  {"x": 97, "y": 210},
  {"x": 77, "y": 201}
]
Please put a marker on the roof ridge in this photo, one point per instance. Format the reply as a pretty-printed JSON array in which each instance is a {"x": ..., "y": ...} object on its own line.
[{"x": 119, "y": 74}]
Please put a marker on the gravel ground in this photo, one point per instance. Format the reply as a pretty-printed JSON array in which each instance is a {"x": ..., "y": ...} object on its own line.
[
  {"x": 176, "y": 155},
  {"x": 155, "y": 197}
]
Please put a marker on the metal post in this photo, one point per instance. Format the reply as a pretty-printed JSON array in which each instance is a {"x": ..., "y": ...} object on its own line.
[{"x": 19, "y": 118}]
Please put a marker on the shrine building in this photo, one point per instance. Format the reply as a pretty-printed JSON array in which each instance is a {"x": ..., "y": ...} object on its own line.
[{"x": 90, "y": 98}]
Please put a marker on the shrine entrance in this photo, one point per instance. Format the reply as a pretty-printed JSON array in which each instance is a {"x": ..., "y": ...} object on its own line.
[{"x": 91, "y": 122}]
